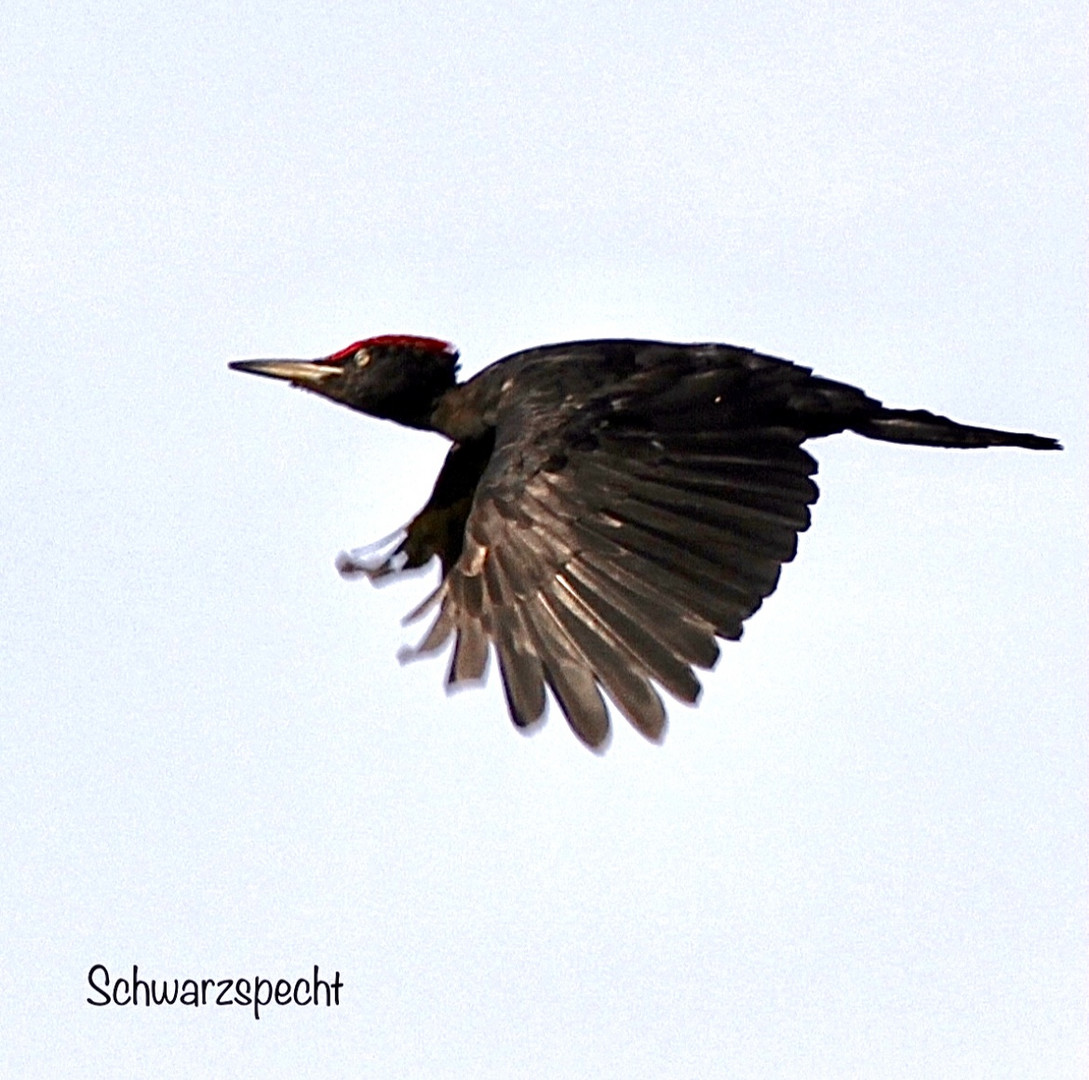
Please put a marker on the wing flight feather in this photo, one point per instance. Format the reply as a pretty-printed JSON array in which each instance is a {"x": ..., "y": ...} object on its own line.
[{"x": 614, "y": 566}]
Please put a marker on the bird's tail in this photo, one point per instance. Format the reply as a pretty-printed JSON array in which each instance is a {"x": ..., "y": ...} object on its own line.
[{"x": 922, "y": 428}]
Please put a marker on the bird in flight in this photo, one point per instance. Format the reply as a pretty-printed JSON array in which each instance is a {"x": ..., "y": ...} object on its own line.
[{"x": 608, "y": 509}]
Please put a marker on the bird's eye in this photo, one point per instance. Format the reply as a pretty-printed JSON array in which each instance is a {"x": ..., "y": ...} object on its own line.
[{"x": 363, "y": 357}]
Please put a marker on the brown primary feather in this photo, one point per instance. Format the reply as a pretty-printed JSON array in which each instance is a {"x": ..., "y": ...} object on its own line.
[{"x": 595, "y": 571}]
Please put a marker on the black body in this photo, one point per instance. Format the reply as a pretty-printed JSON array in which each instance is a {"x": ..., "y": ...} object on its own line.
[{"x": 609, "y": 508}]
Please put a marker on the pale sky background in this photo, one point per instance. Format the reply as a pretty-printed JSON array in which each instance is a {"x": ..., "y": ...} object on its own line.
[{"x": 864, "y": 854}]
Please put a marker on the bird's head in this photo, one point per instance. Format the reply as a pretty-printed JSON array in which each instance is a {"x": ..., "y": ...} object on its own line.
[{"x": 396, "y": 376}]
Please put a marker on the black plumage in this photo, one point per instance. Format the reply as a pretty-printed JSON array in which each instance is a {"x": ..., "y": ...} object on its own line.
[{"x": 609, "y": 508}]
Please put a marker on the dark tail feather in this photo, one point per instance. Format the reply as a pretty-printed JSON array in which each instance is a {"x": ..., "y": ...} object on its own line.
[{"x": 922, "y": 428}]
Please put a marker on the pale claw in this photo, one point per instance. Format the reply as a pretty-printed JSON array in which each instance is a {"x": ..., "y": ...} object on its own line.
[{"x": 374, "y": 561}]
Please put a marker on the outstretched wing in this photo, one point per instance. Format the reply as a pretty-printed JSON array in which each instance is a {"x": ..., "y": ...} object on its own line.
[{"x": 607, "y": 546}]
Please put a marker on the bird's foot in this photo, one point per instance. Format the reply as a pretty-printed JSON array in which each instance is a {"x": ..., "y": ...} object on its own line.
[{"x": 376, "y": 560}]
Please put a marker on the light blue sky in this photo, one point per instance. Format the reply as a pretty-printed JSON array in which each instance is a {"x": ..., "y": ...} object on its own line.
[{"x": 863, "y": 855}]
